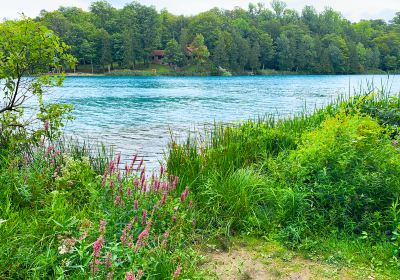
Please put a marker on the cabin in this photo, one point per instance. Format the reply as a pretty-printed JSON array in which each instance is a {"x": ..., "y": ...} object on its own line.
[{"x": 157, "y": 56}]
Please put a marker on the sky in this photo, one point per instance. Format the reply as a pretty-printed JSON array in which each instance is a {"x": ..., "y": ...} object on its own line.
[{"x": 353, "y": 10}]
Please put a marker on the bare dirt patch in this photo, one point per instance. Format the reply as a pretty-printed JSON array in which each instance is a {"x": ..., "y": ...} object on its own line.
[{"x": 241, "y": 263}]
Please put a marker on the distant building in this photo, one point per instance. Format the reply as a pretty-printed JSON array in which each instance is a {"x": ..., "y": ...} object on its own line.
[{"x": 157, "y": 56}]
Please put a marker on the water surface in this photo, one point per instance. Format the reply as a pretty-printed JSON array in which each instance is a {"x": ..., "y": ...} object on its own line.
[{"x": 134, "y": 114}]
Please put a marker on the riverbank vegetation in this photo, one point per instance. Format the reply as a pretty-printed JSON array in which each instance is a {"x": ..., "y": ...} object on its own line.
[
  {"x": 320, "y": 190},
  {"x": 323, "y": 183},
  {"x": 238, "y": 40}
]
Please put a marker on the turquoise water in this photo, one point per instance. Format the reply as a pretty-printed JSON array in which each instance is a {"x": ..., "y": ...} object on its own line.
[{"x": 134, "y": 114}]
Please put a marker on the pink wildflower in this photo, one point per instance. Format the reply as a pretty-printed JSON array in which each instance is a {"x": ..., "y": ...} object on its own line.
[
  {"x": 97, "y": 245},
  {"x": 102, "y": 228},
  {"x": 118, "y": 159},
  {"x": 117, "y": 200},
  {"x": 129, "y": 192},
  {"x": 108, "y": 261},
  {"x": 48, "y": 151},
  {"x": 166, "y": 235},
  {"x": 130, "y": 276},
  {"x": 136, "y": 204},
  {"x": 175, "y": 182},
  {"x": 177, "y": 272},
  {"x": 141, "y": 237},
  {"x": 191, "y": 204},
  {"x": 163, "y": 199},
  {"x": 185, "y": 194},
  {"x": 46, "y": 125},
  {"x": 140, "y": 165},
  {"x": 111, "y": 166},
  {"x": 144, "y": 217},
  {"x": 134, "y": 159},
  {"x": 83, "y": 236}
]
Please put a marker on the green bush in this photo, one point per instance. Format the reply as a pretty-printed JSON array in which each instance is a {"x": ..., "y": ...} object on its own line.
[{"x": 349, "y": 170}]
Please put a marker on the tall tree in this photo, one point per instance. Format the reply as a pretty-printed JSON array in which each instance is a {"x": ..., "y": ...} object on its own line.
[
  {"x": 199, "y": 49},
  {"x": 173, "y": 54}
]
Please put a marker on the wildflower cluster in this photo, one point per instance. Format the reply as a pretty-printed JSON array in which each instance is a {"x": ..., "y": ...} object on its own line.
[{"x": 144, "y": 217}]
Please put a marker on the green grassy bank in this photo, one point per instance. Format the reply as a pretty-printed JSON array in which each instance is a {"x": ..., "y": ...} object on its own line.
[{"x": 323, "y": 186}]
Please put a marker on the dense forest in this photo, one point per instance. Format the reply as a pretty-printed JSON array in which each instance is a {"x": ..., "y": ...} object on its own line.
[{"x": 259, "y": 38}]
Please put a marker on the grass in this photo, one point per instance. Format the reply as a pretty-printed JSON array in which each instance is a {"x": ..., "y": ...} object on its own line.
[
  {"x": 316, "y": 193},
  {"x": 311, "y": 177}
]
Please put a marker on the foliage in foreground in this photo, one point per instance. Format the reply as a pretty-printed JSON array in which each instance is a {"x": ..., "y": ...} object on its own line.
[
  {"x": 60, "y": 219},
  {"x": 332, "y": 174}
]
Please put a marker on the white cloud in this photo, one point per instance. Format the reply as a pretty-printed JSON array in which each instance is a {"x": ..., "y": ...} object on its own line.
[{"x": 351, "y": 9}]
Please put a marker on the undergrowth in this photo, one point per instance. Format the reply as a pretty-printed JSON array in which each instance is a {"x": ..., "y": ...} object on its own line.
[{"x": 333, "y": 173}]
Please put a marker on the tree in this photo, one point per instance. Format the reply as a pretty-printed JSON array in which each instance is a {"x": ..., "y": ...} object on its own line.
[
  {"x": 28, "y": 50},
  {"x": 254, "y": 57},
  {"x": 173, "y": 54},
  {"x": 229, "y": 36},
  {"x": 284, "y": 55},
  {"x": 199, "y": 49},
  {"x": 396, "y": 19},
  {"x": 103, "y": 46},
  {"x": 309, "y": 16},
  {"x": 267, "y": 50},
  {"x": 278, "y": 7},
  {"x": 221, "y": 52}
]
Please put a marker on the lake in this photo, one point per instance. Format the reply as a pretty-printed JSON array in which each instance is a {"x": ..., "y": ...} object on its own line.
[{"x": 135, "y": 114}]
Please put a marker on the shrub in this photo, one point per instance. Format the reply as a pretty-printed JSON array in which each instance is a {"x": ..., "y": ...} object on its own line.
[{"x": 349, "y": 170}]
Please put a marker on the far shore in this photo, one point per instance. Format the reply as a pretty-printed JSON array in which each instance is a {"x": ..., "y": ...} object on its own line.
[{"x": 80, "y": 74}]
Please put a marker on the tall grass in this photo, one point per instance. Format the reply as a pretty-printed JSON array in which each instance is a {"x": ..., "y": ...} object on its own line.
[{"x": 242, "y": 174}]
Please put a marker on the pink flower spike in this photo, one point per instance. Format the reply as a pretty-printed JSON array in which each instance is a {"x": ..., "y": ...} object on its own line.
[
  {"x": 129, "y": 192},
  {"x": 130, "y": 276},
  {"x": 185, "y": 194},
  {"x": 108, "y": 261},
  {"x": 118, "y": 159},
  {"x": 97, "y": 245},
  {"x": 144, "y": 217},
  {"x": 136, "y": 204},
  {"x": 163, "y": 199},
  {"x": 140, "y": 165},
  {"x": 177, "y": 272},
  {"x": 142, "y": 236},
  {"x": 46, "y": 125},
  {"x": 102, "y": 228},
  {"x": 191, "y": 204},
  {"x": 117, "y": 200}
]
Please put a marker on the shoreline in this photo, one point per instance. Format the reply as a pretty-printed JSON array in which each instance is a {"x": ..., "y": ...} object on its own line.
[{"x": 233, "y": 75}]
